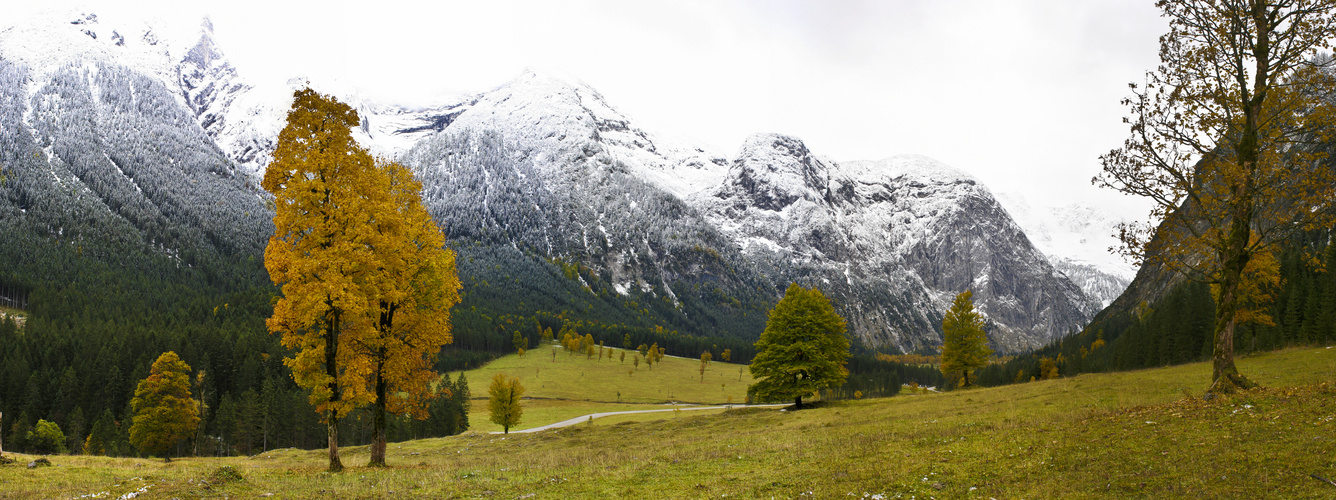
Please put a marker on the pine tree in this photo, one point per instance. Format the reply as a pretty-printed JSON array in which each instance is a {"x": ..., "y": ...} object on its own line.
[
  {"x": 164, "y": 413},
  {"x": 463, "y": 401},
  {"x": 964, "y": 344},
  {"x": 103, "y": 432},
  {"x": 802, "y": 350},
  {"x": 504, "y": 404}
]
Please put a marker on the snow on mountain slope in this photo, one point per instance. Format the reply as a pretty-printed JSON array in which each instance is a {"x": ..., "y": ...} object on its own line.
[
  {"x": 245, "y": 118},
  {"x": 99, "y": 140},
  {"x": 1077, "y": 238},
  {"x": 893, "y": 241},
  {"x": 545, "y": 164},
  {"x": 885, "y": 238},
  {"x": 50, "y": 42},
  {"x": 545, "y": 111}
]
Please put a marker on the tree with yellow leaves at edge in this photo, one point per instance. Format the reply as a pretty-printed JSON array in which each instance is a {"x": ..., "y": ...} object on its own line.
[
  {"x": 504, "y": 401},
  {"x": 165, "y": 414},
  {"x": 705, "y": 358},
  {"x": 964, "y": 343},
  {"x": 1228, "y": 139},
  {"x": 802, "y": 350},
  {"x": 416, "y": 285},
  {"x": 322, "y": 255}
]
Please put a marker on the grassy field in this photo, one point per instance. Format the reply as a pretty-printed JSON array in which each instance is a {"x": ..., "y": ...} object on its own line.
[
  {"x": 1143, "y": 434},
  {"x": 610, "y": 380},
  {"x": 567, "y": 386}
]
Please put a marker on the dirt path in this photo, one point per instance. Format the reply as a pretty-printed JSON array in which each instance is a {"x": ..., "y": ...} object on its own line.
[{"x": 586, "y": 418}]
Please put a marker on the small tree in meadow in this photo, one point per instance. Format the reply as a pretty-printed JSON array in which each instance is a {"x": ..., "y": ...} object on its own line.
[
  {"x": 964, "y": 346},
  {"x": 704, "y": 360},
  {"x": 504, "y": 404},
  {"x": 802, "y": 350}
]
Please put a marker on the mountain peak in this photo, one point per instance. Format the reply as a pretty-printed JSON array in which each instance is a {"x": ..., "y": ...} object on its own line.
[
  {"x": 910, "y": 167},
  {"x": 773, "y": 171}
]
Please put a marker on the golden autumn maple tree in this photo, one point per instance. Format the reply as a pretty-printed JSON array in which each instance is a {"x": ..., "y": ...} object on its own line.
[
  {"x": 165, "y": 414},
  {"x": 1228, "y": 140},
  {"x": 322, "y": 254},
  {"x": 416, "y": 286}
]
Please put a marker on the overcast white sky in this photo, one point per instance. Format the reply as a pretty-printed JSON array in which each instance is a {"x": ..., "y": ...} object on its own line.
[{"x": 1024, "y": 94}]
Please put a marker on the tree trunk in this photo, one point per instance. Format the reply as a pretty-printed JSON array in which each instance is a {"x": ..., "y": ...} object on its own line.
[
  {"x": 798, "y": 403},
  {"x": 332, "y": 369},
  {"x": 335, "y": 465},
  {"x": 1234, "y": 253},
  {"x": 378, "y": 420},
  {"x": 1225, "y": 377},
  {"x": 386, "y": 328}
]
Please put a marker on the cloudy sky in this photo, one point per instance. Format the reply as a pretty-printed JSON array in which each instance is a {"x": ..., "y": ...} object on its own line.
[{"x": 1024, "y": 94}]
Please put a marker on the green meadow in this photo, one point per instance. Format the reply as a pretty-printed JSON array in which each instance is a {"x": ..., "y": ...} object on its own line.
[
  {"x": 567, "y": 385},
  {"x": 1141, "y": 434}
]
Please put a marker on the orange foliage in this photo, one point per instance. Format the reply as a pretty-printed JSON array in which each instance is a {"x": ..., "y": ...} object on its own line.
[{"x": 321, "y": 253}]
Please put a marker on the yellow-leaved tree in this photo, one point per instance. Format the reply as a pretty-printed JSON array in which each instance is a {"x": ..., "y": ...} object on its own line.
[
  {"x": 416, "y": 286},
  {"x": 964, "y": 343},
  {"x": 504, "y": 401},
  {"x": 164, "y": 412},
  {"x": 1229, "y": 140},
  {"x": 322, "y": 254}
]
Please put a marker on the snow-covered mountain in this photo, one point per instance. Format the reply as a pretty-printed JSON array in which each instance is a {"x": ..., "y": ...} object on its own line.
[
  {"x": 98, "y": 144},
  {"x": 541, "y": 174},
  {"x": 244, "y": 117},
  {"x": 1077, "y": 238},
  {"x": 892, "y": 241},
  {"x": 895, "y": 240}
]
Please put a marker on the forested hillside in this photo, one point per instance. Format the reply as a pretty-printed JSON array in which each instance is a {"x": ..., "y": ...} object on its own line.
[{"x": 1168, "y": 321}]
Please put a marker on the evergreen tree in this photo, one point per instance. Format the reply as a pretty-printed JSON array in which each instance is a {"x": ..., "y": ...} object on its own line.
[
  {"x": 964, "y": 344},
  {"x": 802, "y": 350},
  {"x": 75, "y": 425},
  {"x": 18, "y": 432},
  {"x": 101, "y": 436},
  {"x": 463, "y": 402}
]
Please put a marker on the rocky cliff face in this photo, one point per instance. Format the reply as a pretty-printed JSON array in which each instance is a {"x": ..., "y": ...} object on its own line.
[{"x": 894, "y": 241}]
